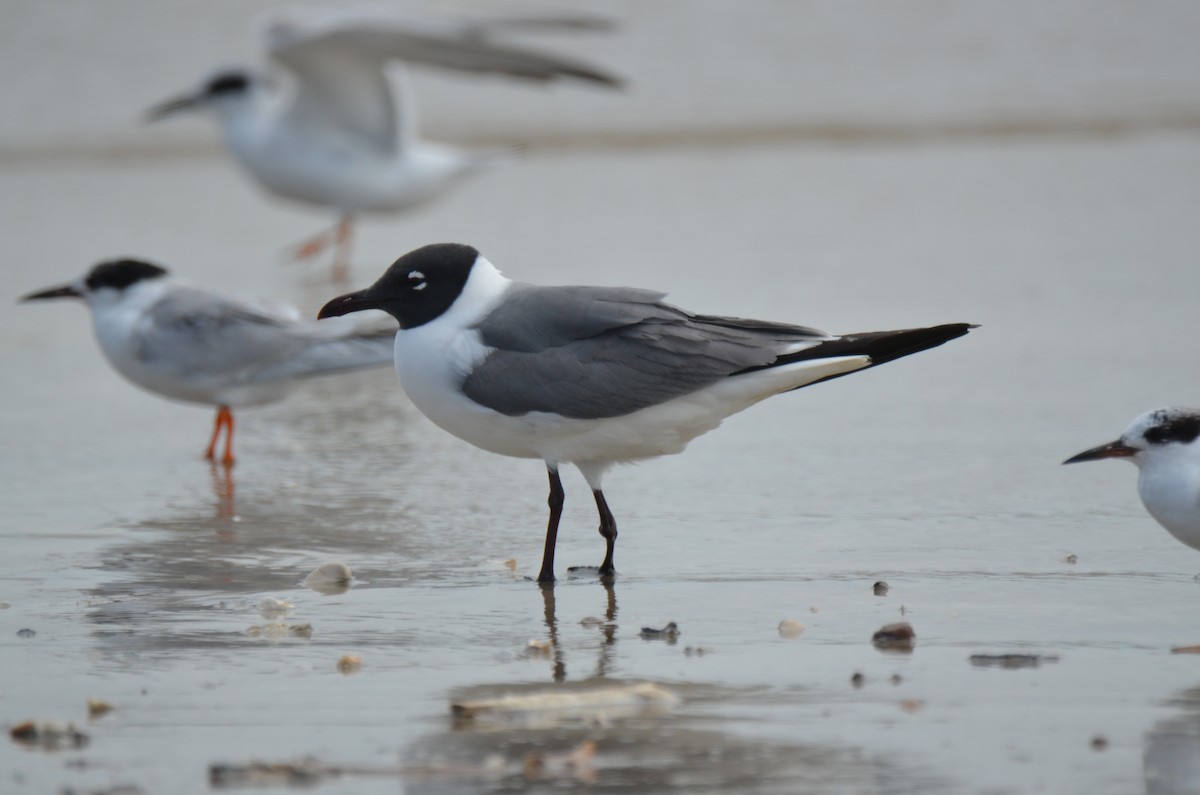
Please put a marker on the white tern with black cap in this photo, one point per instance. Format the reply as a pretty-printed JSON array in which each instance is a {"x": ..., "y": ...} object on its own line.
[
  {"x": 591, "y": 376},
  {"x": 340, "y": 137},
  {"x": 197, "y": 346}
]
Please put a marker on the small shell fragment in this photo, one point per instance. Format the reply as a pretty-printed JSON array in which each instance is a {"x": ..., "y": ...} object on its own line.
[
  {"x": 538, "y": 647},
  {"x": 49, "y": 735},
  {"x": 511, "y": 564},
  {"x": 790, "y": 629},
  {"x": 1071, "y": 559},
  {"x": 591, "y": 621},
  {"x": 277, "y": 631},
  {"x": 96, "y": 707},
  {"x": 330, "y": 578},
  {"x": 275, "y": 608},
  {"x": 349, "y": 664},
  {"x": 555, "y": 707}
]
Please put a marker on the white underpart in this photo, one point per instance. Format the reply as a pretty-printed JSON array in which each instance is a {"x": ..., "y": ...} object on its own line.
[
  {"x": 1169, "y": 485},
  {"x": 433, "y": 359},
  {"x": 325, "y": 166}
]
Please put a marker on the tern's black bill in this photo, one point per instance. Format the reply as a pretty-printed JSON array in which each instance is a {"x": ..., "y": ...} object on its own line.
[
  {"x": 171, "y": 107},
  {"x": 66, "y": 291},
  {"x": 1115, "y": 449}
]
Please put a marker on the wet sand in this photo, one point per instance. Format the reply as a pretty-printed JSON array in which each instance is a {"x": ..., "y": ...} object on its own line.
[{"x": 140, "y": 569}]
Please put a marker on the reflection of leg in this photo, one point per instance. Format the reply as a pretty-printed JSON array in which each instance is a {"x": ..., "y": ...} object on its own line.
[
  {"x": 344, "y": 236},
  {"x": 560, "y": 665},
  {"x": 608, "y": 529},
  {"x": 555, "y": 502},
  {"x": 223, "y": 489}
]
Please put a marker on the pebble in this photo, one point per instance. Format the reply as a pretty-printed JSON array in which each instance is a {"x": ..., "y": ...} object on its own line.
[
  {"x": 349, "y": 664},
  {"x": 670, "y": 631},
  {"x": 591, "y": 621},
  {"x": 25, "y": 633},
  {"x": 48, "y": 734},
  {"x": 1010, "y": 660},
  {"x": 1071, "y": 559},
  {"x": 790, "y": 629},
  {"x": 96, "y": 707},
  {"x": 1100, "y": 743},
  {"x": 899, "y": 636},
  {"x": 857, "y": 679},
  {"x": 276, "y": 631},
  {"x": 880, "y": 588}
]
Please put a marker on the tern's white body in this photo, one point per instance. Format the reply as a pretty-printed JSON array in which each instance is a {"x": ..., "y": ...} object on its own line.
[
  {"x": 324, "y": 165},
  {"x": 1169, "y": 485},
  {"x": 433, "y": 359}
]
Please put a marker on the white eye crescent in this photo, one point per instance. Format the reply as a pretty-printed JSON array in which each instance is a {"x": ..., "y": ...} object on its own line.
[{"x": 417, "y": 276}]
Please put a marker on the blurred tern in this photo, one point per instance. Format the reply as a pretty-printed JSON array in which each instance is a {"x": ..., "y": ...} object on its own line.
[
  {"x": 342, "y": 138},
  {"x": 591, "y": 376},
  {"x": 1163, "y": 445},
  {"x": 189, "y": 344}
]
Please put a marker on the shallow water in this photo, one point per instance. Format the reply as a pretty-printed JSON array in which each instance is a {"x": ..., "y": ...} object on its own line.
[{"x": 141, "y": 569}]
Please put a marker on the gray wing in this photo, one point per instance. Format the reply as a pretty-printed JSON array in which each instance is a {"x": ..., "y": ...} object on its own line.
[
  {"x": 593, "y": 352},
  {"x": 194, "y": 332},
  {"x": 339, "y": 57}
]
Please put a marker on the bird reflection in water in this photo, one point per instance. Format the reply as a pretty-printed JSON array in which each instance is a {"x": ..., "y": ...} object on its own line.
[
  {"x": 221, "y": 478},
  {"x": 608, "y": 630}
]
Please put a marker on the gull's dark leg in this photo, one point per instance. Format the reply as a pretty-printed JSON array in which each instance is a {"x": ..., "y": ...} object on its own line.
[
  {"x": 555, "y": 502},
  {"x": 608, "y": 529}
]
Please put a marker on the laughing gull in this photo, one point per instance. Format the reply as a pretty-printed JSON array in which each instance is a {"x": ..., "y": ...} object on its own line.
[
  {"x": 189, "y": 344},
  {"x": 341, "y": 138},
  {"x": 1165, "y": 446},
  {"x": 591, "y": 376}
]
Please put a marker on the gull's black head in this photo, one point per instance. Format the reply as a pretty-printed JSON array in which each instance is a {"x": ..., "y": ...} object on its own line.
[
  {"x": 416, "y": 289},
  {"x": 116, "y": 274}
]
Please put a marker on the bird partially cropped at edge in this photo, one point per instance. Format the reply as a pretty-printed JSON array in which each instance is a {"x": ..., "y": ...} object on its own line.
[
  {"x": 591, "y": 376},
  {"x": 196, "y": 346},
  {"x": 1164, "y": 444},
  {"x": 343, "y": 137}
]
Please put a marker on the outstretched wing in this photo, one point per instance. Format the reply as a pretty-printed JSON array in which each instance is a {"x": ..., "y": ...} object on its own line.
[
  {"x": 339, "y": 57},
  {"x": 590, "y": 352}
]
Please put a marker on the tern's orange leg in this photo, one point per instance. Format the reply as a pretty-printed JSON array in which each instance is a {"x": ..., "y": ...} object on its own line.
[
  {"x": 227, "y": 459},
  {"x": 224, "y": 420},
  {"x": 344, "y": 236},
  {"x": 310, "y": 247}
]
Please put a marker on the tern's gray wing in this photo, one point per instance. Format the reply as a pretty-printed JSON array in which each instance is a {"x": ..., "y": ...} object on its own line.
[
  {"x": 593, "y": 352},
  {"x": 338, "y": 58},
  {"x": 191, "y": 332}
]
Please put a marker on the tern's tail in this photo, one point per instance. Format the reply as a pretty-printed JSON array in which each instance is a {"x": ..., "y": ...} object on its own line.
[{"x": 878, "y": 346}]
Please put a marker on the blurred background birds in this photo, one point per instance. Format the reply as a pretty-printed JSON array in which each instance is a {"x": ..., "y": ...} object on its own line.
[{"x": 343, "y": 133}]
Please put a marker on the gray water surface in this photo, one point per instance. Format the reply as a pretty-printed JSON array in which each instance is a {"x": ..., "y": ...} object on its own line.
[{"x": 140, "y": 568}]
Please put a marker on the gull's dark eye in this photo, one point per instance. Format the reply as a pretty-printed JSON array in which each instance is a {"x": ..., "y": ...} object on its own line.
[{"x": 417, "y": 280}]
